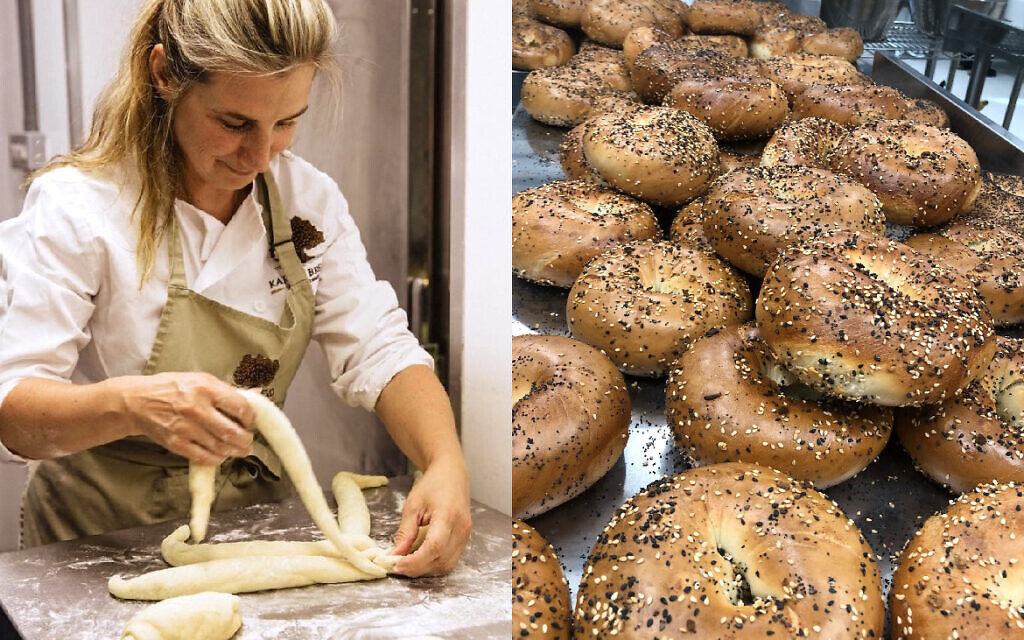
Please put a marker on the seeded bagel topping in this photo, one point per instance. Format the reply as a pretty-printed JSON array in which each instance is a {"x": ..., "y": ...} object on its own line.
[
  {"x": 729, "y": 550},
  {"x": 959, "y": 577},
  {"x": 865, "y": 318}
]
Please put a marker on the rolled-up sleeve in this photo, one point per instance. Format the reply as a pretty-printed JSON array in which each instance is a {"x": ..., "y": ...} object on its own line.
[
  {"x": 363, "y": 330},
  {"x": 48, "y": 278}
]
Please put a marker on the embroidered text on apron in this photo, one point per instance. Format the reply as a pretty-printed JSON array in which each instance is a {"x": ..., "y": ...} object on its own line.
[{"x": 135, "y": 481}]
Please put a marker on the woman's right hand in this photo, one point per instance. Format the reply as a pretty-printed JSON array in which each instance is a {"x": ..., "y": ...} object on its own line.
[{"x": 192, "y": 414}]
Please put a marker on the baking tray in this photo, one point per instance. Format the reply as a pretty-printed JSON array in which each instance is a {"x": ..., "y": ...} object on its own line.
[
  {"x": 59, "y": 591},
  {"x": 889, "y": 500}
]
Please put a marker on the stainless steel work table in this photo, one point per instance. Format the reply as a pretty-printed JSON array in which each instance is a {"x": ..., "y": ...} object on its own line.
[
  {"x": 889, "y": 500},
  {"x": 59, "y": 591}
]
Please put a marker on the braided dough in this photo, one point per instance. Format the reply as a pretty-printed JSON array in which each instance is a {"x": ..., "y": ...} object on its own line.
[
  {"x": 349, "y": 554},
  {"x": 258, "y": 565},
  {"x": 281, "y": 436},
  {"x": 353, "y": 518},
  {"x": 237, "y": 575}
]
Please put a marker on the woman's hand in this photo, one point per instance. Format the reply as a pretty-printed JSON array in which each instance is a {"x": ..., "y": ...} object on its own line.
[
  {"x": 192, "y": 414},
  {"x": 439, "y": 498}
]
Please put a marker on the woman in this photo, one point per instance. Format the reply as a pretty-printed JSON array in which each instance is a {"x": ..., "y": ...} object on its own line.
[{"x": 181, "y": 252}]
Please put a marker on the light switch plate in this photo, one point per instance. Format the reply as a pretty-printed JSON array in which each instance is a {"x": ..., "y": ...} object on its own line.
[{"x": 27, "y": 150}]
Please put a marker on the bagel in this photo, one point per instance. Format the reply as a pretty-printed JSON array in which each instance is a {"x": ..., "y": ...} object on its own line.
[
  {"x": 923, "y": 175},
  {"x": 959, "y": 576},
  {"x": 570, "y": 420},
  {"x": 609, "y": 21},
  {"x": 643, "y": 38},
  {"x": 751, "y": 214},
  {"x": 842, "y": 42},
  {"x": 663, "y": 156},
  {"x": 808, "y": 142},
  {"x": 849, "y": 105},
  {"x": 1000, "y": 201},
  {"x": 565, "y": 96},
  {"x": 733, "y": 107},
  {"x": 608, "y": 64},
  {"x": 574, "y": 163},
  {"x": 729, "y": 551},
  {"x": 797, "y": 71},
  {"x": 559, "y": 227},
  {"x": 659, "y": 67},
  {"x": 561, "y": 96},
  {"x": 561, "y": 13},
  {"x": 536, "y": 45},
  {"x": 728, "y": 401},
  {"x": 783, "y": 35},
  {"x": 977, "y": 437},
  {"x": 644, "y": 303},
  {"x": 925, "y": 112},
  {"x": 570, "y": 150},
  {"x": 864, "y": 318},
  {"x": 540, "y": 593},
  {"x": 732, "y": 45},
  {"x": 639, "y": 39},
  {"x": 686, "y": 227},
  {"x": 740, "y": 17},
  {"x": 990, "y": 256}
]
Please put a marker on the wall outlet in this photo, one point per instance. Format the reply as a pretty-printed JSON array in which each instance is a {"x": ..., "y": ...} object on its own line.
[{"x": 27, "y": 150}]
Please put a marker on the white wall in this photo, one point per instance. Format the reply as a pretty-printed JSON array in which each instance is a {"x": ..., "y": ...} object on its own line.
[{"x": 481, "y": 240}]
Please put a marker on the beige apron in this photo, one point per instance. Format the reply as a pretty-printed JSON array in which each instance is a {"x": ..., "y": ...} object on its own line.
[{"x": 135, "y": 481}]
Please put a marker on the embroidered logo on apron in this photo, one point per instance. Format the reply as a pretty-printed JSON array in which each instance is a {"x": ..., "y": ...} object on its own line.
[
  {"x": 305, "y": 236},
  {"x": 256, "y": 370}
]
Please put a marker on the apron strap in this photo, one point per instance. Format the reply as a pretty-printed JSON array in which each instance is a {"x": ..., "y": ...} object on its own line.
[
  {"x": 177, "y": 264},
  {"x": 279, "y": 229}
]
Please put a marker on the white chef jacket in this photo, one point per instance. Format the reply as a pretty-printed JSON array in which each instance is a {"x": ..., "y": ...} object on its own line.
[{"x": 71, "y": 306}]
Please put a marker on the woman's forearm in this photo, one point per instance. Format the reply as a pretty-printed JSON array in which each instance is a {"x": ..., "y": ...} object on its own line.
[
  {"x": 418, "y": 415},
  {"x": 43, "y": 418},
  {"x": 191, "y": 414}
]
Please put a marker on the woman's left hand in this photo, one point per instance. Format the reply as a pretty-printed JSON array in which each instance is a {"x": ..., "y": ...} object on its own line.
[{"x": 440, "y": 498}]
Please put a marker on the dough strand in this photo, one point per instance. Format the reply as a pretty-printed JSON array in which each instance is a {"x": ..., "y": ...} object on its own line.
[
  {"x": 177, "y": 552},
  {"x": 279, "y": 433},
  {"x": 201, "y": 479},
  {"x": 353, "y": 514},
  {"x": 239, "y": 575}
]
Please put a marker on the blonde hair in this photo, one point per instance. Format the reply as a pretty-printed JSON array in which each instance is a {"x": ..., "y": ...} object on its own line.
[{"x": 131, "y": 124}]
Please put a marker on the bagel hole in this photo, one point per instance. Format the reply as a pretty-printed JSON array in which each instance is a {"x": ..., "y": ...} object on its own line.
[
  {"x": 659, "y": 276},
  {"x": 663, "y": 285},
  {"x": 788, "y": 386},
  {"x": 891, "y": 275},
  {"x": 602, "y": 208},
  {"x": 738, "y": 587},
  {"x": 1010, "y": 404},
  {"x": 991, "y": 246},
  {"x": 1008, "y": 586},
  {"x": 523, "y": 387}
]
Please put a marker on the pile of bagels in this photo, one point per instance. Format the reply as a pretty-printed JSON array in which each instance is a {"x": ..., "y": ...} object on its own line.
[{"x": 730, "y": 181}]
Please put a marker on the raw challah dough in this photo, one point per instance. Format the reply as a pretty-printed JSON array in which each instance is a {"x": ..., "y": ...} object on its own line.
[
  {"x": 202, "y": 616},
  {"x": 176, "y": 552},
  {"x": 238, "y": 575},
  {"x": 281, "y": 436},
  {"x": 201, "y": 479},
  {"x": 349, "y": 554},
  {"x": 257, "y": 565}
]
